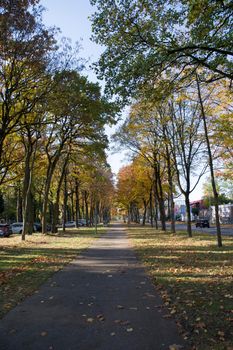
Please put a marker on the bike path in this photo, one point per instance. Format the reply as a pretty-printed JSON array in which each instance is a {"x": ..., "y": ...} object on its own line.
[{"x": 102, "y": 301}]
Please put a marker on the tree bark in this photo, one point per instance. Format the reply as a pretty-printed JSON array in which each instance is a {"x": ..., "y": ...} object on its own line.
[
  {"x": 160, "y": 196},
  {"x": 30, "y": 148},
  {"x": 170, "y": 182},
  {"x": 211, "y": 165},
  {"x": 189, "y": 227},
  {"x": 151, "y": 208},
  {"x": 65, "y": 202},
  {"x": 19, "y": 211},
  {"x": 86, "y": 208},
  {"x": 58, "y": 192},
  {"x": 144, "y": 213},
  {"x": 77, "y": 204}
]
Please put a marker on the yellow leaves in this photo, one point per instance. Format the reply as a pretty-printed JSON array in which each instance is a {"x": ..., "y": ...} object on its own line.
[{"x": 175, "y": 347}]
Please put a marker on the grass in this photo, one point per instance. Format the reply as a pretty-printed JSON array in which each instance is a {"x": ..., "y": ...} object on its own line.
[
  {"x": 24, "y": 266},
  {"x": 195, "y": 281}
]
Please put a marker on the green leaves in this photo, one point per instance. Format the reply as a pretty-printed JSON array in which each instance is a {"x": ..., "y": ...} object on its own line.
[{"x": 145, "y": 40}]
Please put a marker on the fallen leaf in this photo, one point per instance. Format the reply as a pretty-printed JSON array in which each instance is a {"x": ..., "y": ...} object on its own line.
[
  {"x": 129, "y": 330},
  {"x": 43, "y": 334},
  {"x": 200, "y": 325},
  {"x": 101, "y": 317},
  {"x": 90, "y": 320},
  {"x": 221, "y": 334},
  {"x": 120, "y": 307},
  {"x": 112, "y": 334},
  {"x": 117, "y": 321},
  {"x": 166, "y": 316}
]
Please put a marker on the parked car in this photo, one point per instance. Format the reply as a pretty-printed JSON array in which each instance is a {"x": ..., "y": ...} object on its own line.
[
  {"x": 5, "y": 230},
  {"x": 37, "y": 227},
  {"x": 82, "y": 222},
  {"x": 70, "y": 224},
  {"x": 202, "y": 223},
  {"x": 17, "y": 227}
]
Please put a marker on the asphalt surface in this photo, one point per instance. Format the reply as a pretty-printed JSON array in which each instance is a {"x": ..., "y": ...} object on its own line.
[
  {"x": 103, "y": 300},
  {"x": 226, "y": 231}
]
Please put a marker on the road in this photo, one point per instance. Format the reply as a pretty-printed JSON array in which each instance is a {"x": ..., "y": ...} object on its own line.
[{"x": 226, "y": 231}]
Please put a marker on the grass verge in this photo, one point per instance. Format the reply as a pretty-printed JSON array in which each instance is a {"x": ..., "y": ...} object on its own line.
[
  {"x": 195, "y": 281},
  {"x": 24, "y": 266}
]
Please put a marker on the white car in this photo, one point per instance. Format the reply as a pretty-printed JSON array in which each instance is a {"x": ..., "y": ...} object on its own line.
[{"x": 17, "y": 227}]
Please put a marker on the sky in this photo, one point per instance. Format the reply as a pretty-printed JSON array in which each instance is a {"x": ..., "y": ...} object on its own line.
[{"x": 71, "y": 16}]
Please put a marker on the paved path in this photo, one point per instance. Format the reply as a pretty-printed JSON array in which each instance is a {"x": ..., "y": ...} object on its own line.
[{"x": 103, "y": 301}]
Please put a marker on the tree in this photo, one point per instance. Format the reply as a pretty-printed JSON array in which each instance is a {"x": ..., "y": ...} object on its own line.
[
  {"x": 75, "y": 123},
  {"x": 187, "y": 147},
  {"x": 145, "y": 40},
  {"x": 140, "y": 135},
  {"x": 25, "y": 45}
]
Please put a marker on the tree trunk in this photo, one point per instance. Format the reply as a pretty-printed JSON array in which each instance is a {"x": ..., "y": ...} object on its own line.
[
  {"x": 19, "y": 212},
  {"x": 86, "y": 207},
  {"x": 77, "y": 205},
  {"x": 160, "y": 197},
  {"x": 189, "y": 227},
  {"x": 170, "y": 182},
  {"x": 215, "y": 192},
  {"x": 65, "y": 202},
  {"x": 128, "y": 221},
  {"x": 155, "y": 203},
  {"x": 151, "y": 209},
  {"x": 58, "y": 192},
  {"x": 45, "y": 201},
  {"x": 30, "y": 149},
  {"x": 144, "y": 213}
]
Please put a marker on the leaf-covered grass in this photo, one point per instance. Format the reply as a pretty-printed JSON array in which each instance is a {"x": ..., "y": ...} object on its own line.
[
  {"x": 195, "y": 280},
  {"x": 24, "y": 266}
]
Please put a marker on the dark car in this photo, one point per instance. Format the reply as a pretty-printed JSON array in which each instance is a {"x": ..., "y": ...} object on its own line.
[
  {"x": 5, "y": 230},
  {"x": 202, "y": 223},
  {"x": 37, "y": 227}
]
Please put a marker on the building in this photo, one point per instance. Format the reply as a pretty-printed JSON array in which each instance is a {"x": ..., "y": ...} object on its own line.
[{"x": 225, "y": 213}]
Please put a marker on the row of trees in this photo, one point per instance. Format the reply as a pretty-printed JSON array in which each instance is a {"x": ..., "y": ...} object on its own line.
[
  {"x": 173, "y": 62},
  {"x": 52, "y": 123}
]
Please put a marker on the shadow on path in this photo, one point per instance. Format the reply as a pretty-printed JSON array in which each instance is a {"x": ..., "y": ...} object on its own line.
[{"x": 103, "y": 300}]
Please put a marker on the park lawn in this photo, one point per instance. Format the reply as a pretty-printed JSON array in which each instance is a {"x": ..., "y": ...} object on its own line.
[
  {"x": 195, "y": 281},
  {"x": 24, "y": 266}
]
